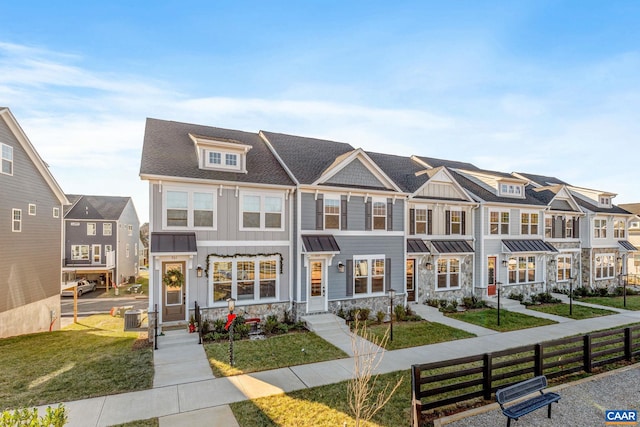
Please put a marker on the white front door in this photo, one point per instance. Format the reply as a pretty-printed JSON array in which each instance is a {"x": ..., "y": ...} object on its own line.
[
  {"x": 96, "y": 254},
  {"x": 317, "y": 286}
]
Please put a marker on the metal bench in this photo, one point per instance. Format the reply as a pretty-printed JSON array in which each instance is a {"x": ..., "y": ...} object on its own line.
[{"x": 522, "y": 389}]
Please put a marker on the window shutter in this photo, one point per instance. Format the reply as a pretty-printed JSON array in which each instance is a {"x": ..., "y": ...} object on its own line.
[
  {"x": 389, "y": 215},
  {"x": 430, "y": 221},
  {"x": 319, "y": 212},
  {"x": 463, "y": 218},
  {"x": 343, "y": 213},
  {"x": 564, "y": 227},
  {"x": 557, "y": 223},
  {"x": 387, "y": 275},
  {"x": 349, "y": 275},
  {"x": 554, "y": 233},
  {"x": 412, "y": 221},
  {"x": 447, "y": 222},
  {"x": 367, "y": 214},
  {"x": 576, "y": 228}
]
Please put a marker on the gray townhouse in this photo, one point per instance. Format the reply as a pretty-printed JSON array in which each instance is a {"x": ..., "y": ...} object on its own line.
[
  {"x": 101, "y": 240},
  {"x": 221, "y": 222},
  {"x": 31, "y": 203},
  {"x": 511, "y": 252}
]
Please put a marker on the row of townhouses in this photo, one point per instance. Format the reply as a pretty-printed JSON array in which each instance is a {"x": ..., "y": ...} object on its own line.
[
  {"x": 288, "y": 223},
  {"x": 49, "y": 239}
]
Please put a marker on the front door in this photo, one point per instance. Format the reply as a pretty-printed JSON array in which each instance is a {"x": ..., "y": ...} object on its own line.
[
  {"x": 317, "y": 286},
  {"x": 96, "y": 254},
  {"x": 491, "y": 276},
  {"x": 411, "y": 279},
  {"x": 173, "y": 302}
]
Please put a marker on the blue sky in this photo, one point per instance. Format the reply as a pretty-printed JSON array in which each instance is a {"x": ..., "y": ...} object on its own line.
[{"x": 541, "y": 87}]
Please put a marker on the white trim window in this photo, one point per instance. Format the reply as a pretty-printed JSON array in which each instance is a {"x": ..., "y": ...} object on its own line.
[
  {"x": 188, "y": 209},
  {"x": 568, "y": 227},
  {"x": 16, "y": 220},
  {"x": 252, "y": 280},
  {"x": 91, "y": 229},
  {"x": 564, "y": 268},
  {"x": 499, "y": 222},
  {"x": 605, "y": 266},
  {"x": 7, "y": 159},
  {"x": 56, "y": 212},
  {"x": 129, "y": 230},
  {"x": 80, "y": 252},
  {"x": 261, "y": 212},
  {"x": 224, "y": 160},
  {"x": 528, "y": 223},
  {"x": 600, "y": 228},
  {"x": 107, "y": 229},
  {"x": 32, "y": 209},
  {"x": 331, "y": 213},
  {"x": 421, "y": 221},
  {"x": 368, "y": 275},
  {"x": 548, "y": 227},
  {"x": 511, "y": 190},
  {"x": 455, "y": 222},
  {"x": 619, "y": 231},
  {"x": 522, "y": 269},
  {"x": 448, "y": 274},
  {"x": 379, "y": 214}
]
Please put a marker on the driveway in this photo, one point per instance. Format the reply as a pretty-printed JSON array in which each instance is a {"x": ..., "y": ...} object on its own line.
[{"x": 92, "y": 303}]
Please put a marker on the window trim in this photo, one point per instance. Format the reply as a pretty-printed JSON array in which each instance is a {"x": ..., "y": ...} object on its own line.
[
  {"x": 530, "y": 224},
  {"x": 337, "y": 199},
  {"x": 80, "y": 257},
  {"x": 104, "y": 229},
  {"x": 95, "y": 229},
  {"x": 240, "y": 160},
  {"x": 370, "y": 265},
  {"x": 382, "y": 201},
  {"x": 190, "y": 208},
  {"x": 610, "y": 267},
  {"x": 448, "y": 274},
  {"x": 257, "y": 260},
  {"x": 500, "y": 222},
  {"x": 34, "y": 211},
  {"x": 619, "y": 229},
  {"x": 600, "y": 232},
  {"x": 8, "y": 160},
  {"x": 568, "y": 260},
  {"x": 518, "y": 260},
  {"x": 262, "y": 212},
  {"x": 425, "y": 222},
  {"x": 56, "y": 212},
  {"x": 452, "y": 222}
]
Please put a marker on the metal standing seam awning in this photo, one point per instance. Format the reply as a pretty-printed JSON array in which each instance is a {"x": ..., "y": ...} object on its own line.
[
  {"x": 528, "y": 245},
  {"x": 320, "y": 243},
  {"x": 627, "y": 246},
  {"x": 417, "y": 246},
  {"x": 174, "y": 243},
  {"x": 452, "y": 246}
]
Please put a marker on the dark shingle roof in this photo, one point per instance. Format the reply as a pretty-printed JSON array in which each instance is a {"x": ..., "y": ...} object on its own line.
[
  {"x": 593, "y": 208},
  {"x": 433, "y": 162},
  {"x": 488, "y": 196},
  {"x": 95, "y": 207},
  {"x": 542, "y": 180},
  {"x": 402, "y": 170},
  {"x": 169, "y": 151},
  {"x": 306, "y": 158}
]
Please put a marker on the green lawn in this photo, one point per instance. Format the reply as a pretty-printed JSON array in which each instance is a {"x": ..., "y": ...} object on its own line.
[
  {"x": 509, "y": 320},
  {"x": 324, "y": 406},
  {"x": 633, "y": 301},
  {"x": 270, "y": 353},
  {"x": 92, "y": 358},
  {"x": 151, "y": 422},
  {"x": 579, "y": 311},
  {"x": 414, "y": 334}
]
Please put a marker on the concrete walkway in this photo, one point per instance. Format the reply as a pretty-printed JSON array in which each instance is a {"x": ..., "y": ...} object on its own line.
[
  {"x": 204, "y": 400},
  {"x": 334, "y": 329}
]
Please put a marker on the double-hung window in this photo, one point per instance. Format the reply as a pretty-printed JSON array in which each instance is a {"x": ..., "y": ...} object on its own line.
[
  {"x": 368, "y": 275},
  {"x": 107, "y": 229},
  {"x": 605, "y": 266},
  {"x": 189, "y": 209},
  {"x": 129, "y": 230},
  {"x": 32, "y": 209},
  {"x": 421, "y": 221},
  {"x": 448, "y": 273},
  {"x": 91, "y": 229},
  {"x": 224, "y": 160},
  {"x": 499, "y": 222},
  {"x": 245, "y": 279},
  {"x": 522, "y": 269},
  {"x": 600, "y": 228},
  {"x": 568, "y": 227},
  {"x": 80, "y": 252},
  {"x": 548, "y": 227},
  {"x": 7, "y": 159},
  {"x": 379, "y": 215},
  {"x": 456, "y": 222},
  {"x": 528, "y": 223},
  {"x": 261, "y": 212},
  {"x": 331, "y": 214},
  {"x": 619, "y": 229},
  {"x": 16, "y": 220},
  {"x": 564, "y": 267}
]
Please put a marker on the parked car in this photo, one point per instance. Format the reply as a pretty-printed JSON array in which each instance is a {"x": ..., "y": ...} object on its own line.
[{"x": 84, "y": 286}]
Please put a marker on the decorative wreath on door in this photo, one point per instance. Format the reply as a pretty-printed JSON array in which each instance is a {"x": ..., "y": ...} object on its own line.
[{"x": 173, "y": 278}]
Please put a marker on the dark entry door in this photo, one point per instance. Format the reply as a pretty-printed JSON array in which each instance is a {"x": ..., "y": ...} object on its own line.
[
  {"x": 491, "y": 276},
  {"x": 411, "y": 280}
]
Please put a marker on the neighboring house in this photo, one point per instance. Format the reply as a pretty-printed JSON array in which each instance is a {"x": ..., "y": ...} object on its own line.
[
  {"x": 633, "y": 262},
  {"x": 349, "y": 235},
  {"x": 509, "y": 230},
  {"x": 439, "y": 231},
  {"x": 222, "y": 213},
  {"x": 31, "y": 205},
  {"x": 101, "y": 239},
  {"x": 561, "y": 229}
]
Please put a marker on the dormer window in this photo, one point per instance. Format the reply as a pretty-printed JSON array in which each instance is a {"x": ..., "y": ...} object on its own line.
[
  {"x": 511, "y": 190},
  {"x": 221, "y": 154},
  {"x": 605, "y": 202}
]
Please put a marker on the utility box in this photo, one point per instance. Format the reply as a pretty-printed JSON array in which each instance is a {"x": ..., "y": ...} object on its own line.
[{"x": 132, "y": 319}]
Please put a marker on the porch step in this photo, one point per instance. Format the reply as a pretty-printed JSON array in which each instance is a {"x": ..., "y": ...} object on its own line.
[
  {"x": 325, "y": 322},
  {"x": 506, "y": 303}
]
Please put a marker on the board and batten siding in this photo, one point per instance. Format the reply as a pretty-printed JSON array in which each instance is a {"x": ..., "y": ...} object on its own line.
[{"x": 30, "y": 261}]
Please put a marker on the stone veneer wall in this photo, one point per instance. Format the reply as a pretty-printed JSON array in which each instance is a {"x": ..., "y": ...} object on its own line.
[
  {"x": 587, "y": 264},
  {"x": 258, "y": 310},
  {"x": 526, "y": 289},
  {"x": 375, "y": 304},
  {"x": 427, "y": 282}
]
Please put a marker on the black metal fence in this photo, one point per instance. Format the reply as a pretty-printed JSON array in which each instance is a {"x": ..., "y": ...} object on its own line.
[{"x": 452, "y": 381}]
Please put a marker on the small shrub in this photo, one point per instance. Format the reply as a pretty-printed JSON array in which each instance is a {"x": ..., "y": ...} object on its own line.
[
  {"x": 218, "y": 326},
  {"x": 450, "y": 307},
  {"x": 432, "y": 302},
  {"x": 341, "y": 313},
  {"x": 363, "y": 314},
  {"x": 547, "y": 298},
  {"x": 270, "y": 324},
  {"x": 29, "y": 417},
  {"x": 205, "y": 328},
  {"x": 352, "y": 314},
  {"x": 603, "y": 292},
  {"x": 413, "y": 318},
  {"x": 400, "y": 312},
  {"x": 443, "y": 303},
  {"x": 282, "y": 328},
  {"x": 473, "y": 302},
  {"x": 287, "y": 318},
  {"x": 516, "y": 296},
  {"x": 380, "y": 315}
]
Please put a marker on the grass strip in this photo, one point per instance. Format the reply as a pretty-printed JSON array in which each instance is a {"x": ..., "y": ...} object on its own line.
[{"x": 509, "y": 320}]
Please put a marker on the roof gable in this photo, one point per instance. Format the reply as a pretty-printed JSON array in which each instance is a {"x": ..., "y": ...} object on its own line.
[
  {"x": 356, "y": 169},
  {"x": 97, "y": 207},
  {"x": 441, "y": 185}
]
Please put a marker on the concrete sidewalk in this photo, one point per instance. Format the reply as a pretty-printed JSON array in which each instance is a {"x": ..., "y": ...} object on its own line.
[{"x": 203, "y": 400}]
